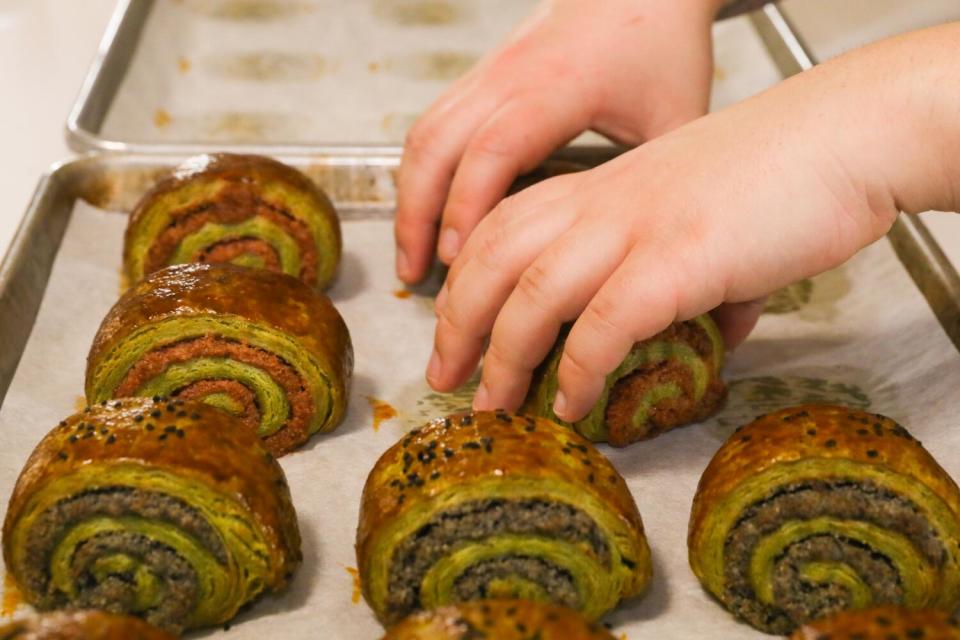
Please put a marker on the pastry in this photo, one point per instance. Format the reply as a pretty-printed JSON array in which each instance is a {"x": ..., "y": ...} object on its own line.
[
  {"x": 490, "y": 505},
  {"x": 818, "y": 508},
  {"x": 245, "y": 209},
  {"x": 162, "y": 508},
  {"x": 666, "y": 381},
  {"x": 883, "y": 623},
  {"x": 498, "y": 620},
  {"x": 81, "y": 625},
  {"x": 260, "y": 345}
]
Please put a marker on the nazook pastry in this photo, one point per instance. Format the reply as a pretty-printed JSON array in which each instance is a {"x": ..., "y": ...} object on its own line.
[
  {"x": 491, "y": 505},
  {"x": 815, "y": 509}
]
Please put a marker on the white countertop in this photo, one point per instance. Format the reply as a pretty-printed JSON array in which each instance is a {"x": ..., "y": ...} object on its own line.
[{"x": 47, "y": 45}]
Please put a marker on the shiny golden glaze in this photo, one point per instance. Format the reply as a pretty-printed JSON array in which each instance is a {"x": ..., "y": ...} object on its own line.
[
  {"x": 260, "y": 296},
  {"x": 251, "y": 171},
  {"x": 837, "y": 433},
  {"x": 883, "y": 623},
  {"x": 212, "y": 450},
  {"x": 498, "y": 620},
  {"x": 82, "y": 625},
  {"x": 519, "y": 446}
]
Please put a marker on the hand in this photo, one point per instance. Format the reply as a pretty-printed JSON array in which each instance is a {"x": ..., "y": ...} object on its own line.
[
  {"x": 726, "y": 209},
  {"x": 629, "y": 69}
]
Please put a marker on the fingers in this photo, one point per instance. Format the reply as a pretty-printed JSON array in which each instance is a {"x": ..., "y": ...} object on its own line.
[
  {"x": 636, "y": 302},
  {"x": 432, "y": 149},
  {"x": 552, "y": 290},
  {"x": 737, "y": 320},
  {"x": 474, "y": 298},
  {"x": 519, "y": 136}
]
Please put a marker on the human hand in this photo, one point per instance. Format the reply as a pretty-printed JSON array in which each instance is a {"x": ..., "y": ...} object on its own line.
[
  {"x": 629, "y": 69},
  {"x": 726, "y": 209}
]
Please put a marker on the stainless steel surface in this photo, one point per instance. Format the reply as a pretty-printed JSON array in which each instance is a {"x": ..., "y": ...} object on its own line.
[
  {"x": 916, "y": 247},
  {"x": 296, "y": 85}
]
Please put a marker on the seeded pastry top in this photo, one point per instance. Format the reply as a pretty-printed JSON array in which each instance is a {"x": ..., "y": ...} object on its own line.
[
  {"x": 819, "y": 432},
  {"x": 487, "y": 445},
  {"x": 188, "y": 439}
]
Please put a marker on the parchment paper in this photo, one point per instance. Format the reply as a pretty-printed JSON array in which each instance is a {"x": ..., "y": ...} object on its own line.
[
  {"x": 861, "y": 335},
  {"x": 333, "y": 71}
]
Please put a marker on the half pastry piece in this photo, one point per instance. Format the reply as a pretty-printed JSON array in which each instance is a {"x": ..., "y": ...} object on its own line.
[
  {"x": 816, "y": 509},
  {"x": 82, "y": 625},
  {"x": 262, "y": 346},
  {"x": 164, "y": 509},
  {"x": 491, "y": 505}
]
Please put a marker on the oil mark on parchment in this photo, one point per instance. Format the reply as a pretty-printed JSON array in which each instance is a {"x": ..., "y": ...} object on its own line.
[
  {"x": 382, "y": 411},
  {"x": 267, "y": 66},
  {"x": 815, "y": 299},
  {"x": 183, "y": 64},
  {"x": 248, "y": 10},
  {"x": 162, "y": 118},
  {"x": 442, "y": 66},
  {"x": 418, "y": 13},
  {"x": 396, "y": 125},
  {"x": 247, "y": 126}
]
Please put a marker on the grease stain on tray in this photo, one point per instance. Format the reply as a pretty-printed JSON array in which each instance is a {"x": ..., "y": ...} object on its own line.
[
  {"x": 382, "y": 411},
  {"x": 418, "y": 13},
  {"x": 247, "y": 126},
  {"x": 355, "y": 575},
  {"x": 162, "y": 118},
  {"x": 12, "y": 598},
  {"x": 396, "y": 125},
  {"x": 814, "y": 299},
  {"x": 269, "y": 66},
  {"x": 442, "y": 66},
  {"x": 248, "y": 10}
]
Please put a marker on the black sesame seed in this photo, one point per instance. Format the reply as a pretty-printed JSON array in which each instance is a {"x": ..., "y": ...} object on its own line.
[
  {"x": 170, "y": 428},
  {"x": 915, "y": 633},
  {"x": 487, "y": 444},
  {"x": 811, "y": 432},
  {"x": 181, "y": 414},
  {"x": 163, "y": 436},
  {"x": 503, "y": 417},
  {"x": 63, "y": 423},
  {"x": 138, "y": 417},
  {"x": 103, "y": 431},
  {"x": 434, "y": 475},
  {"x": 447, "y": 452},
  {"x": 194, "y": 416},
  {"x": 156, "y": 399},
  {"x": 565, "y": 449},
  {"x": 628, "y": 563},
  {"x": 72, "y": 439},
  {"x": 522, "y": 628},
  {"x": 181, "y": 433},
  {"x": 88, "y": 434},
  {"x": 156, "y": 413},
  {"x": 117, "y": 405},
  {"x": 406, "y": 442},
  {"x": 62, "y": 455},
  {"x": 590, "y": 478},
  {"x": 470, "y": 444},
  {"x": 111, "y": 439},
  {"x": 466, "y": 421},
  {"x": 872, "y": 454},
  {"x": 745, "y": 438},
  {"x": 149, "y": 426},
  {"x": 587, "y": 462},
  {"x": 530, "y": 428},
  {"x": 446, "y": 423},
  {"x": 830, "y": 444},
  {"x": 877, "y": 429},
  {"x": 401, "y": 498},
  {"x": 862, "y": 432}
]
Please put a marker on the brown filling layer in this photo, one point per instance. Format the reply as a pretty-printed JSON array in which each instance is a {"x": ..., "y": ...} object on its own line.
[
  {"x": 291, "y": 435},
  {"x": 234, "y": 204},
  {"x": 668, "y": 413},
  {"x": 228, "y": 250}
]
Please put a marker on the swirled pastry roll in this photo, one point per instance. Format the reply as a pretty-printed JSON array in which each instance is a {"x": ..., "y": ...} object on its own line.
[
  {"x": 82, "y": 625},
  {"x": 489, "y": 505},
  {"x": 260, "y": 345},
  {"x": 883, "y": 623},
  {"x": 245, "y": 209},
  {"x": 166, "y": 510},
  {"x": 815, "y": 509},
  {"x": 667, "y": 381},
  {"x": 499, "y": 619}
]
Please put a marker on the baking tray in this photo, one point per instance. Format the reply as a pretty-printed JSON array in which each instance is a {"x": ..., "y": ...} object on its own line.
[
  {"x": 302, "y": 76},
  {"x": 836, "y": 348}
]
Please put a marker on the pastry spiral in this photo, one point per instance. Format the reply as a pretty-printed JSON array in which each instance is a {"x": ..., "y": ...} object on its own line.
[
  {"x": 666, "y": 381},
  {"x": 819, "y": 508},
  {"x": 260, "y": 345},
  {"x": 489, "y": 505},
  {"x": 82, "y": 625},
  {"x": 500, "y": 619},
  {"x": 163, "y": 509},
  {"x": 244, "y": 209},
  {"x": 883, "y": 623}
]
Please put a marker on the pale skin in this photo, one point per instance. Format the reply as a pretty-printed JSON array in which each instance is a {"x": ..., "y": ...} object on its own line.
[{"x": 709, "y": 213}]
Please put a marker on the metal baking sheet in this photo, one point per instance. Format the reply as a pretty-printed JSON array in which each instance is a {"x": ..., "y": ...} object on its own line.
[
  {"x": 297, "y": 76},
  {"x": 833, "y": 338}
]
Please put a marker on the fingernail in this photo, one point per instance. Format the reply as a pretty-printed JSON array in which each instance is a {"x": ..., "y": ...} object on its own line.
[
  {"x": 481, "y": 398},
  {"x": 434, "y": 367},
  {"x": 441, "y": 299},
  {"x": 403, "y": 265},
  {"x": 560, "y": 404},
  {"x": 449, "y": 244}
]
